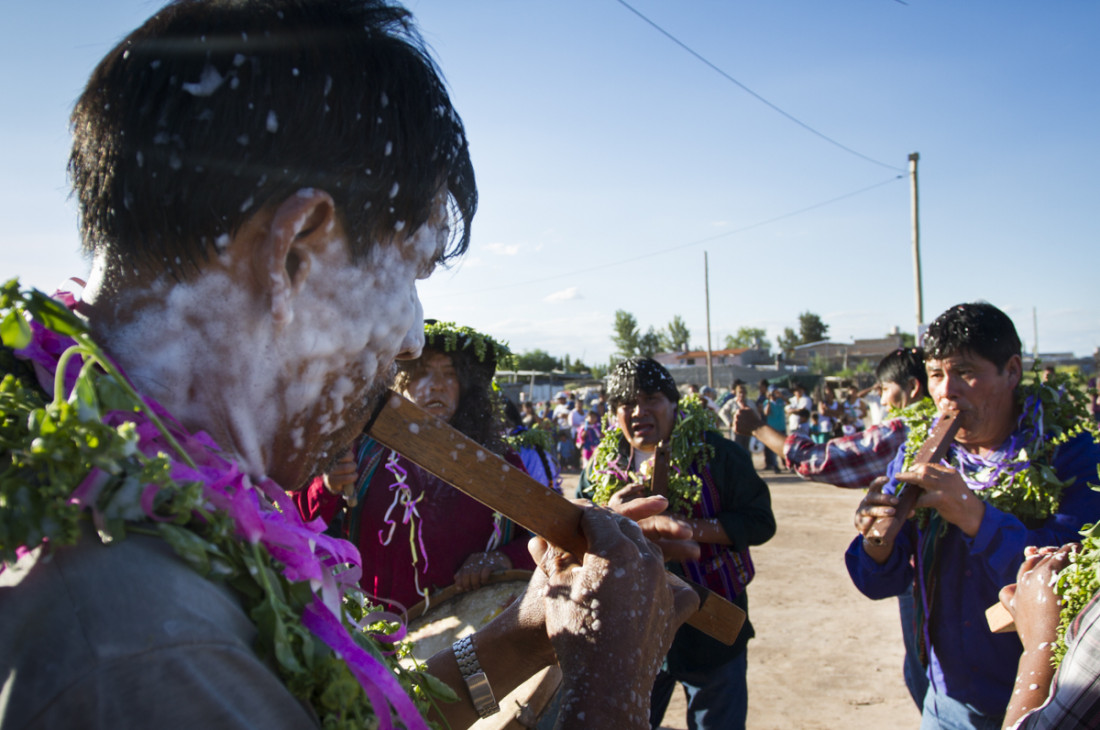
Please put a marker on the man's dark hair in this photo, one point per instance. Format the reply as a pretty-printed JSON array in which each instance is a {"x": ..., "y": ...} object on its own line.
[
  {"x": 902, "y": 364},
  {"x": 212, "y": 110},
  {"x": 639, "y": 375},
  {"x": 979, "y": 328}
]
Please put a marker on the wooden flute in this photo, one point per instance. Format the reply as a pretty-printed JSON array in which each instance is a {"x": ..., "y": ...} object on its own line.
[
  {"x": 884, "y": 529},
  {"x": 446, "y": 452}
]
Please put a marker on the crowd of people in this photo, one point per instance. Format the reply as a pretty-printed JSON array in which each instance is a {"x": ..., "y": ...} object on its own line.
[{"x": 198, "y": 529}]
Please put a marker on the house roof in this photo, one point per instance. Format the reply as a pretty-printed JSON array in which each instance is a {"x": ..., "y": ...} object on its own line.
[{"x": 729, "y": 352}]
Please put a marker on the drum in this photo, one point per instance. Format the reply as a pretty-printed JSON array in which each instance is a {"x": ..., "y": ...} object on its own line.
[{"x": 452, "y": 615}]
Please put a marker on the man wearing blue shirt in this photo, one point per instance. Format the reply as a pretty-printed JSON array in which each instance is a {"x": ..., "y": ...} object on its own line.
[{"x": 968, "y": 548}]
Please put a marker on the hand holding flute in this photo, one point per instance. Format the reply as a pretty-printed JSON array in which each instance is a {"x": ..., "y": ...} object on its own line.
[{"x": 926, "y": 483}]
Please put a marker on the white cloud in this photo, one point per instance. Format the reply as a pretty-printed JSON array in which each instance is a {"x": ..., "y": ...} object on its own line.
[
  {"x": 562, "y": 296},
  {"x": 502, "y": 249}
]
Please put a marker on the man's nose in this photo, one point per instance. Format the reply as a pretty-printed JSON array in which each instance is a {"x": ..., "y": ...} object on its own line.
[
  {"x": 949, "y": 386},
  {"x": 412, "y": 345}
]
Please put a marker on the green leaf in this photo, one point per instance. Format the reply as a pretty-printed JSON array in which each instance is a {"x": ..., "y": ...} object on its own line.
[
  {"x": 437, "y": 688},
  {"x": 14, "y": 330},
  {"x": 54, "y": 315},
  {"x": 284, "y": 647},
  {"x": 84, "y": 396},
  {"x": 188, "y": 546}
]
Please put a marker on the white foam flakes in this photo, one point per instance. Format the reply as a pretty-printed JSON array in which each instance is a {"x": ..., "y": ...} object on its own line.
[{"x": 208, "y": 82}]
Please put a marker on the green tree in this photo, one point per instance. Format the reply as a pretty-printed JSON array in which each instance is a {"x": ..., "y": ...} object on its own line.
[
  {"x": 748, "y": 337},
  {"x": 821, "y": 365},
  {"x": 787, "y": 341},
  {"x": 676, "y": 337},
  {"x": 811, "y": 328},
  {"x": 649, "y": 344},
  {"x": 625, "y": 336},
  {"x": 537, "y": 360},
  {"x": 908, "y": 339}
]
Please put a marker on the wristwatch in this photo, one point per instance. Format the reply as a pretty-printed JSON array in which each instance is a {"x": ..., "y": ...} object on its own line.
[{"x": 476, "y": 681}]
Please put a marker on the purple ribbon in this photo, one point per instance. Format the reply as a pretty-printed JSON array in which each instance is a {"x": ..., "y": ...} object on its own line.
[{"x": 376, "y": 679}]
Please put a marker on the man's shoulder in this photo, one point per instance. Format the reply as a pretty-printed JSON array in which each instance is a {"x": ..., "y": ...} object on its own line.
[
  {"x": 728, "y": 452},
  {"x": 1079, "y": 456},
  {"x": 131, "y": 609}
]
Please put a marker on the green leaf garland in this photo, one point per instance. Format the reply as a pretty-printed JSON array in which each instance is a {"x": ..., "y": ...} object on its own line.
[
  {"x": 689, "y": 453},
  {"x": 67, "y": 460}
]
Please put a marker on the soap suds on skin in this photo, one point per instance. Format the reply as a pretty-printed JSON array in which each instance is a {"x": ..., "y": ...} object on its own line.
[{"x": 286, "y": 379}]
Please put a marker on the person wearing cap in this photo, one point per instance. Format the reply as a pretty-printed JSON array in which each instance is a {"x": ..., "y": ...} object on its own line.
[
  {"x": 714, "y": 488},
  {"x": 416, "y": 533}
]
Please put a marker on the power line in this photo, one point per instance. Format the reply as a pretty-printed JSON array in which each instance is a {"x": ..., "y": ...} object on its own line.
[
  {"x": 752, "y": 93},
  {"x": 698, "y": 242}
]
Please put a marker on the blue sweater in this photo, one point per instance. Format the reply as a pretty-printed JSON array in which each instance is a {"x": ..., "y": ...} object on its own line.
[{"x": 967, "y": 661}]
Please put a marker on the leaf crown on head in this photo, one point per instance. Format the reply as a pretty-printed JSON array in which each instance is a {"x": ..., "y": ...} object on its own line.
[{"x": 450, "y": 337}]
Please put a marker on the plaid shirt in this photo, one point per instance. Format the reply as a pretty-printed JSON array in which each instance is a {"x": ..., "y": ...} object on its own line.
[
  {"x": 849, "y": 461},
  {"x": 1074, "y": 701}
]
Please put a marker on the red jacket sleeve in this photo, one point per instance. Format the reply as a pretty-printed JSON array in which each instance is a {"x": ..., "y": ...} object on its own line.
[{"x": 315, "y": 501}]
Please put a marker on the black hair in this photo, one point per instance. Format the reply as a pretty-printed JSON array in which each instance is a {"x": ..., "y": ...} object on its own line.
[
  {"x": 979, "y": 328},
  {"x": 212, "y": 110},
  {"x": 902, "y": 364},
  {"x": 512, "y": 415},
  {"x": 639, "y": 374}
]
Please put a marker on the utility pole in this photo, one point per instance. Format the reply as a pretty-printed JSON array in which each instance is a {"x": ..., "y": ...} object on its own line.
[
  {"x": 706, "y": 289},
  {"x": 915, "y": 215},
  {"x": 1035, "y": 331}
]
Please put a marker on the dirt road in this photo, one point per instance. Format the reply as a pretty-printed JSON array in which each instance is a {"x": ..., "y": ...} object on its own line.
[{"x": 824, "y": 657}]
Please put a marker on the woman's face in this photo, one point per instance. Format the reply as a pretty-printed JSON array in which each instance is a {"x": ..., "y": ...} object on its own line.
[{"x": 433, "y": 385}]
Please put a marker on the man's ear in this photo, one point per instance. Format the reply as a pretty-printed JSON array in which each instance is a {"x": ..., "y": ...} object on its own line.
[
  {"x": 1015, "y": 369},
  {"x": 302, "y": 227},
  {"x": 913, "y": 388}
]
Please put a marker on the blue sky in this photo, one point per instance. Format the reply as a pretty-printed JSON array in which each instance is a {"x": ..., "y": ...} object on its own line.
[{"x": 609, "y": 159}]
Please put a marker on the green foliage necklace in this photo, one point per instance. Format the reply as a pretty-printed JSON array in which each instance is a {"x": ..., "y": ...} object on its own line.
[
  {"x": 98, "y": 450},
  {"x": 1019, "y": 479},
  {"x": 689, "y": 453},
  {"x": 1077, "y": 584}
]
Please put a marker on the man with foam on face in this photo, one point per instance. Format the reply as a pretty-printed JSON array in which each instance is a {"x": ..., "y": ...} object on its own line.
[
  {"x": 1017, "y": 474},
  {"x": 714, "y": 488},
  {"x": 260, "y": 186}
]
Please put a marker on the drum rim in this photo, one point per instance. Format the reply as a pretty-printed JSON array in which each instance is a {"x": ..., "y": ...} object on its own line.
[{"x": 447, "y": 593}]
